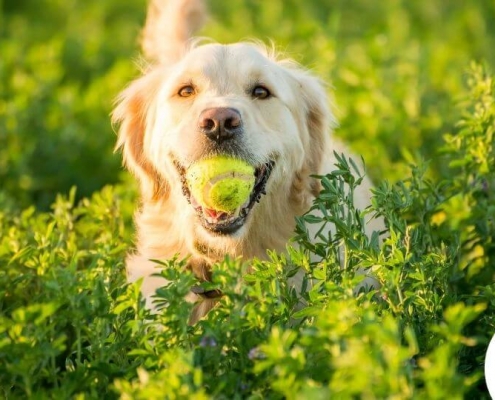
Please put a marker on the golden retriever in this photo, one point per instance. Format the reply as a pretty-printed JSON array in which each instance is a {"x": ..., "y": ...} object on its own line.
[{"x": 198, "y": 100}]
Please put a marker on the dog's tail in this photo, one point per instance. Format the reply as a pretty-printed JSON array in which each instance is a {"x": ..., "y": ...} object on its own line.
[{"x": 170, "y": 24}]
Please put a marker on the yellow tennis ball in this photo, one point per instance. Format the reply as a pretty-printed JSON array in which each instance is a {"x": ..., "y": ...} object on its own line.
[{"x": 220, "y": 183}]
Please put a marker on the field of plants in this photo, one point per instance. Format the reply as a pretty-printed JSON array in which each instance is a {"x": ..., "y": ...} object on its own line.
[{"x": 414, "y": 92}]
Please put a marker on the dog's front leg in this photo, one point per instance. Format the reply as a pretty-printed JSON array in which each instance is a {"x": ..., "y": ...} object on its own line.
[{"x": 205, "y": 299}]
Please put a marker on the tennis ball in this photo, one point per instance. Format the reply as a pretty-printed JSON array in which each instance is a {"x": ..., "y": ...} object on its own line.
[{"x": 220, "y": 183}]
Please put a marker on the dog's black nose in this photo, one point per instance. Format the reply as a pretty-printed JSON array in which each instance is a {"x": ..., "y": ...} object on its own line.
[{"x": 220, "y": 123}]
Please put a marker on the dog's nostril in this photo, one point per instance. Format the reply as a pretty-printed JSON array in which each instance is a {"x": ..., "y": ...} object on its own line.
[
  {"x": 207, "y": 124},
  {"x": 232, "y": 123}
]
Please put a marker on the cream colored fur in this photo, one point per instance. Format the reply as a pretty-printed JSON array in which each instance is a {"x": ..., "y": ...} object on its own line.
[{"x": 157, "y": 127}]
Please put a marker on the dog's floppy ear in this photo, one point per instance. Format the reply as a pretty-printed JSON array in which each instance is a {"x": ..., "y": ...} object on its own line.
[
  {"x": 132, "y": 114},
  {"x": 318, "y": 121}
]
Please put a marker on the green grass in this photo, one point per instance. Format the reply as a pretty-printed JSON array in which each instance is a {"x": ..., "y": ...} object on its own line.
[{"x": 414, "y": 95}]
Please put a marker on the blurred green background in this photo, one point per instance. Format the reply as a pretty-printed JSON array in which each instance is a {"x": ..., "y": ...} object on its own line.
[{"x": 396, "y": 69}]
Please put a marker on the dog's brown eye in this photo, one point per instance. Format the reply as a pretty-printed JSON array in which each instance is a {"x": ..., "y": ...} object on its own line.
[
  {"x": 186, "y": 91},
  {"x": 260, "y": 92}
]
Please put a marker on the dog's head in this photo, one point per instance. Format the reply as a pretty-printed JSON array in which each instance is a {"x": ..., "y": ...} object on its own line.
[{"x": 236, "y": 100}]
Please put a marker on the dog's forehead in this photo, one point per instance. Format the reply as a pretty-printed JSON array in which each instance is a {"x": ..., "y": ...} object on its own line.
[{"x": 219, "y": 62}]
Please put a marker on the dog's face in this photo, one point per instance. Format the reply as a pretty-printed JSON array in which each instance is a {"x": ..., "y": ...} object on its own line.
[{"x": 224, "y": 99}]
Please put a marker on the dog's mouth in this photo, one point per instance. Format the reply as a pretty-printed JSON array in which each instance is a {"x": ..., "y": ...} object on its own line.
[{"x": 222, "y": 222}]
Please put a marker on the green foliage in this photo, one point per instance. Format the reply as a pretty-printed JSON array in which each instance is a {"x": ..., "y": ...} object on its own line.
[
  {"x": 60, "y": 274},
  {"x": 70, "y": 326},
  {"x": 61, "y": 66}
]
